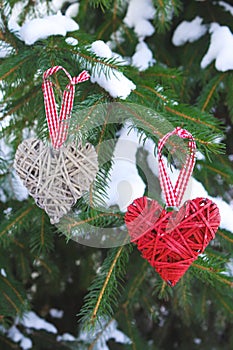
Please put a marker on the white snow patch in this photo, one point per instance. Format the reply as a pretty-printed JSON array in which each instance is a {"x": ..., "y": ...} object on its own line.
[
  {"x": 66, "y": 337},
  {"x": 220, "y": 49},
  {"x": 3, "y": 197},
  {"x": 6, "y": 121},
  {"x": 5, "y": 149},
  {"x": 115, "y": 83},
  {"x": 55, "y": 313},
  {"x": 35, "y": 274},
  {"x": 189, "y": 31},
  {"x": 197, "y": 341},
  {"x": 42, "y": 28},
  {"x": 71, "y": 41},
  {"x": 14, "y": 334},
  {"x": 125, "y": 184},
  {"x": 72, "y": 10},
  {"x": 226, "y": 6},
  {"x": 200, "y": 156},
  {"x": 143, "y": 57},
  {"x": 3, "y": 272},
  {"x": 5, "y": 49},
  {"x": 144, "y": 28},
  {"x": 101, "y": 49},
  {"x": 32, "y": 320},
  {"x": 17, "y": 337},
  {"x": 14, "y": 16},
  {"x": 116, "y": 38},
  {"x": 57, "y": 4},
  {"x": 226, "y": 213},
  {"x": 26, "y": 343},
  {"x": 20, "y": 191},
  {"x": 138, "y": 15},
  {"x": 229, "y": 267},
  {"x": 102, "y": 333}
]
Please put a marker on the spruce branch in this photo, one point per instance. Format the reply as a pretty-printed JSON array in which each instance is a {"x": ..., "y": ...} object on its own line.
[
  {"x": 226, "y": 235},
  {"x": 137, "y": 340},
  {"x": 197, "y": 120},
  {"x": 106, "y": 282},
  {"x": 229, "y": 94},
  {"x": 5, "y": 34},
  {"x": 225, "y": 301},
  {"x": 219, "y": 171},
  {"x": 16, "y": 221},
  {"x": 96, "y": 65},
  {"x": 100, "y": 334},
  {"x": 42, "y": 235},
  {"x": 21, "y": 103},
  {"x": 40, "y": 257},
  {"x": 165, "y": 9},
  {"x": 104, "y": 291},
  {"x": 89, "y": 221},
  {"x": 95, "y": 125},
  {"x": 155, "y": 125},
  {"x": 211, "y": 274},
  {"x": 133, "y": 289},
  {"x": 16, "y": 62},
  {"x": 13, "y": 300},
  {"x": 103, "y": 4},
  {"x": 211, "y": 88},
  {"x": 183, "y": 298}
]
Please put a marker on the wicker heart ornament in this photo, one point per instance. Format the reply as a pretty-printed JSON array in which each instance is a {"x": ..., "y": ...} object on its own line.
[
  {"x": 55, "y": 178},
  {"x": 171, "y": 238},
  {"x": 57, "y": 175},
  {"x": 171, "y": 241}
]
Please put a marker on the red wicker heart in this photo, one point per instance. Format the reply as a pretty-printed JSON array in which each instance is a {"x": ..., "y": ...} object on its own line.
[{"x": 171, "y": 241}]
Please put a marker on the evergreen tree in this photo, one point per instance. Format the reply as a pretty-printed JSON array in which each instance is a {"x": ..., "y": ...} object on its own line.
[{"x": 169, "y": 78}]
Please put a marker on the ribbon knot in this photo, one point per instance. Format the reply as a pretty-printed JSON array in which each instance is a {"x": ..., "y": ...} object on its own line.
[
  {"x": 73, "y": 81},
  {"x": 183, "y": 133}
]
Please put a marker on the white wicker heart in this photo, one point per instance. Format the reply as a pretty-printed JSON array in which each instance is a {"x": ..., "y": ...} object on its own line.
[{"x": 56, "y": 178}]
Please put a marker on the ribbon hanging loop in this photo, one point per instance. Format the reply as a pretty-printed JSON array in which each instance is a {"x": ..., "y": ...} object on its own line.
[
  {"x": 58, "y": 128},
  {"x": 174, "y": 195}
]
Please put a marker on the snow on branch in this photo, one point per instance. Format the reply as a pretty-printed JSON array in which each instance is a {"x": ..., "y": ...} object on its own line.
[
  {"x": 189, "y": 31},
  {"x": 116, "y": 84},
  {"x": 220, "y": 49}
]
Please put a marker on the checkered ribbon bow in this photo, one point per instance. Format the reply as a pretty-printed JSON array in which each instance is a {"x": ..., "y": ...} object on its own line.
[
  {"x": 174, "y": 195},
  {"x": 58, "y": 125}
]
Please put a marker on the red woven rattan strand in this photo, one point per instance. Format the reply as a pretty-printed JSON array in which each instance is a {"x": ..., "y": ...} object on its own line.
[
  {"x": 174, "y": 195},
  {"x": 58, "y": 129}
]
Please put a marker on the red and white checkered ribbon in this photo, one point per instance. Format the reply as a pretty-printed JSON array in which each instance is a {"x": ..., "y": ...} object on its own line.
[
  {"x": 58, "y": 125},
  {"x": 174, "y": 195}
]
